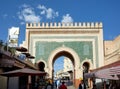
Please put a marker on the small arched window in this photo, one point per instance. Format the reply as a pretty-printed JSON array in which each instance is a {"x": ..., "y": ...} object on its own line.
[{"x": 41, "y": 66}]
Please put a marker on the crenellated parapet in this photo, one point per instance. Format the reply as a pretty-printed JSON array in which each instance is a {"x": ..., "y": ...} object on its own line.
[{"x": 65, "y": 25}]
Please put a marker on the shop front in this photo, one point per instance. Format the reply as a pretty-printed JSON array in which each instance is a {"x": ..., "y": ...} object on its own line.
[{"x": 106, "y": 76}]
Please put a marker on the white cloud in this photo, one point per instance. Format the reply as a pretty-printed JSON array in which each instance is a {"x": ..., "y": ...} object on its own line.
[
  {"x": 48, "y": 12},
  {"x": 25, "y": 6},
  {"x": 28, "y": 11},
  {"x": 22, "y": 23},
  {"x": 28, "y": 15},
  {"x": 41, "y": 7},
  {"x": 67, "y": 18},
  {"x": 42, "y": 12},
  {"x": 31, "y": 18}
]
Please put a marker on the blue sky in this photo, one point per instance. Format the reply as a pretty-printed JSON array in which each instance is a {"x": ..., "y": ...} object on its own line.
[
  {"x": 16, "y": 13},
  {"x": 58, "y": 64}
]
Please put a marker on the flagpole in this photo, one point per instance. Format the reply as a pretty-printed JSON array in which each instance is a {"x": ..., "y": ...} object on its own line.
[{"x": 7, "y": 39}]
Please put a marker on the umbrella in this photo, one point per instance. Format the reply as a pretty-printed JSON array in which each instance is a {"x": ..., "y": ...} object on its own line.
[
  {"x": 24, "y": 71},
  {"x": 26, "y": 54},
  {"x": 31, "y": 57},
  {"x": 21, "y": 49}
]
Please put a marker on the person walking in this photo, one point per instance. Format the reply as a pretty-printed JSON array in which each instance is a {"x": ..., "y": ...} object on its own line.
[
  {"x": 49, "y": 86},
  {"x": 58, "y": 83},
  {"x": 63, "y": 86},
  {"x": 81, "y": 85}
]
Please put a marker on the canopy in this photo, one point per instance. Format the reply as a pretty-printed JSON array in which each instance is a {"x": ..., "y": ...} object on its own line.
[
  {"x": 115, "y": 70},
  {"x": 24, "y": 71},
  {"x": 31, "y": 57},
  {"x": 112, "y": 73},
  {"x": 28, "y": 55},
  {"x": 21, "y": 49},
  {"x": 89, "y": 75}
]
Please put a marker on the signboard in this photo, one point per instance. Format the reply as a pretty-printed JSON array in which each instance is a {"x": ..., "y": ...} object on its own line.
[{"x": 13, "y": 36}]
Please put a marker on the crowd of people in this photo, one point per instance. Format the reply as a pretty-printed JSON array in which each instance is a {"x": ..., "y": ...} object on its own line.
[
  {"x": 58, "y": 84},
  {"x": 50, "y": 85}
]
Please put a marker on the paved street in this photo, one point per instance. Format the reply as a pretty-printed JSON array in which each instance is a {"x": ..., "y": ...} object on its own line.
[{"x": 70, "y": 87}]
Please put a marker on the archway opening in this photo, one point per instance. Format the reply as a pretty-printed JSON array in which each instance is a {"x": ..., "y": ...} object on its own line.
[
  {"x": 63, "y": 67},
  {"x": 86, "y": 67},
  {"x": 41, "y": 66}
]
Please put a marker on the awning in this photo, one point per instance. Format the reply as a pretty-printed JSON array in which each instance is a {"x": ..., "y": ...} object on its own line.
[
  {"x": 105, "y": 74},
  {"x": 89, "y": 75},
  {"x": 24, "y": 71},
  {"x": 112, "y": 73},
  {"x": 31, "y": 57},
  {"x": 115, "y": 70},
  {"x": 28, "y": 55}
]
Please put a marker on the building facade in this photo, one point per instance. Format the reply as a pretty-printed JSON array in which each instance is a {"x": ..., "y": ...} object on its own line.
[
  {"x": 110, "y": 72},
  {"x": 82, "y": 43},
  {"x": 112, "y": 50},
  {"x": 68, "y": 66}
]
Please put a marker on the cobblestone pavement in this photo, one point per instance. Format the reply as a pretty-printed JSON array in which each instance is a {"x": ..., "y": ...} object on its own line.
[{"x": 70, "y": 87}]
